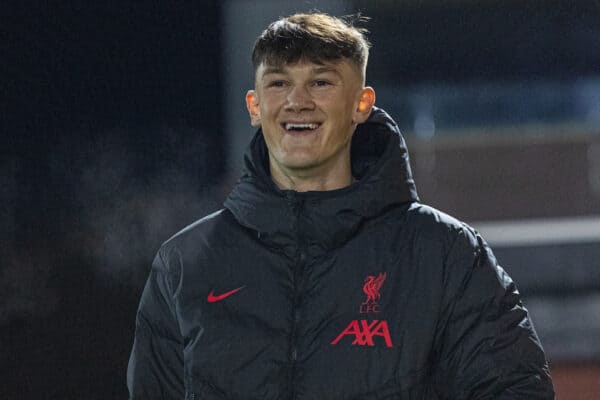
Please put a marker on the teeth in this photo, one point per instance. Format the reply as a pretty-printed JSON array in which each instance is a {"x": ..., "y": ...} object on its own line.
[{"x": 289, "y": 126}]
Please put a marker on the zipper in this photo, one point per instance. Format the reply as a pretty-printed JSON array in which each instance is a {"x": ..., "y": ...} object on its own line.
[
  {"x": 298, "y": 274},
  {"x": 296, "y": 206}
]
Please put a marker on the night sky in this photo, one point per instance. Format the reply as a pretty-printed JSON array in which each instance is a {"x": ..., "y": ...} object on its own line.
[{"x": 110, "y": 144}]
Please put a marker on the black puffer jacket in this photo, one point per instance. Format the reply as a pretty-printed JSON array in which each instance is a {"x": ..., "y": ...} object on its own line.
[{"x": 352, "y": 294}]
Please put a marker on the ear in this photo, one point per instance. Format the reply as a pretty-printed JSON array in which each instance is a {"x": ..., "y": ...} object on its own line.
[
  {"x": 253, "y": 109},
  {"x": 365, "y": 105}
]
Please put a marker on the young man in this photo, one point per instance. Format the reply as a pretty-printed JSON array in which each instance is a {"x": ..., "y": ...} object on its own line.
[{"x": 324, "y": 277}]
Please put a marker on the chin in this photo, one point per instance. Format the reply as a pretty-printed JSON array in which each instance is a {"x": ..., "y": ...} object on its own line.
[
  {"x": 298, "y": 162},
  {"x": 298, "y": 165},
  {"x": 296, "y": 158}
]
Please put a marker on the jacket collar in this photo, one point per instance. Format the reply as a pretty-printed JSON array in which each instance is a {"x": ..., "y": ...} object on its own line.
[{"x": 325, "y": 220}]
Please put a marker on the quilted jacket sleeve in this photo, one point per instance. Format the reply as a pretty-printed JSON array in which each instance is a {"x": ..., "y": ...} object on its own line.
[
  {"x": 487, "y": 347},
  {"x": 155, "y": 368}
]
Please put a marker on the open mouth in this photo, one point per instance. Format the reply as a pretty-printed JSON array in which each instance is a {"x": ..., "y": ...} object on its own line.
[{"x": 300, "y": 127}]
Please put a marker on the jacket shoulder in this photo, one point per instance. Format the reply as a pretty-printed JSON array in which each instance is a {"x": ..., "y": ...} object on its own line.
[
  {"x": 436, "y": 224},
  {"x": 205, "y": 233},
  {"x": 198, "y": 228}
]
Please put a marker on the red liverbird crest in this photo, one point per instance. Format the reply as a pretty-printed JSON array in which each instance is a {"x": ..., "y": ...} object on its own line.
[{"x": 372, "y": 286}]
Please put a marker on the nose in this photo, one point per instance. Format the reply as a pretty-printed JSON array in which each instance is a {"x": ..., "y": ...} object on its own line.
[{"x": 299, "y": 99}]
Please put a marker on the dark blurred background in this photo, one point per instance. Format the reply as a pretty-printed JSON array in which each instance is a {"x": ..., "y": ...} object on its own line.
[{"x": 123, "y": 122}]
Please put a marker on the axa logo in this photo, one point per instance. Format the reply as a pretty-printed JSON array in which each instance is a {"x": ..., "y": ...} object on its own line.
[
  {"x": 364, "y": 332},
  {"x": 371, "y": 288}
]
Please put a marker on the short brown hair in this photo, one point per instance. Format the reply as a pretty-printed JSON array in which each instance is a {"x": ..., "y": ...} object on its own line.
[{"x": 315, "y": 37}]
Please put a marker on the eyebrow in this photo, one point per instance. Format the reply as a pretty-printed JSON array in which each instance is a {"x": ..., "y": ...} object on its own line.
[
  {"x": 273, "y": 70},
  {"x": 320, "y": 70},
  {"x": 316, "y": 70}
]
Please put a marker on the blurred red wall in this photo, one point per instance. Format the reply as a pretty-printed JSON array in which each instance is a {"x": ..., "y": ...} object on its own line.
[{"x": 576, "y": 381}]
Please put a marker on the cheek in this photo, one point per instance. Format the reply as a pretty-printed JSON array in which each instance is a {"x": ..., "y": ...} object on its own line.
[
  {"x": 270, "y": 104},
  {"x": 343, "y": 112}
]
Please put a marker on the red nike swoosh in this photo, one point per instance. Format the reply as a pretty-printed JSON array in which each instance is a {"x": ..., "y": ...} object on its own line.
[{"x": 213, "y": 299}]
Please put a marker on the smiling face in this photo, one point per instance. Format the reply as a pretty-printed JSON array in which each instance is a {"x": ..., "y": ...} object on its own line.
[{"x": 308, "y": 112}]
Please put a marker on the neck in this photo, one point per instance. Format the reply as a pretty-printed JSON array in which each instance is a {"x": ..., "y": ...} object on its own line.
[{"x": 315, "y": 179}]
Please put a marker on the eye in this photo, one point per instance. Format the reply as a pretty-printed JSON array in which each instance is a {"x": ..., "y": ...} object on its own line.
[
  {"x": 322, "y": 83},
  {"x": 276, "y": 84}
]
